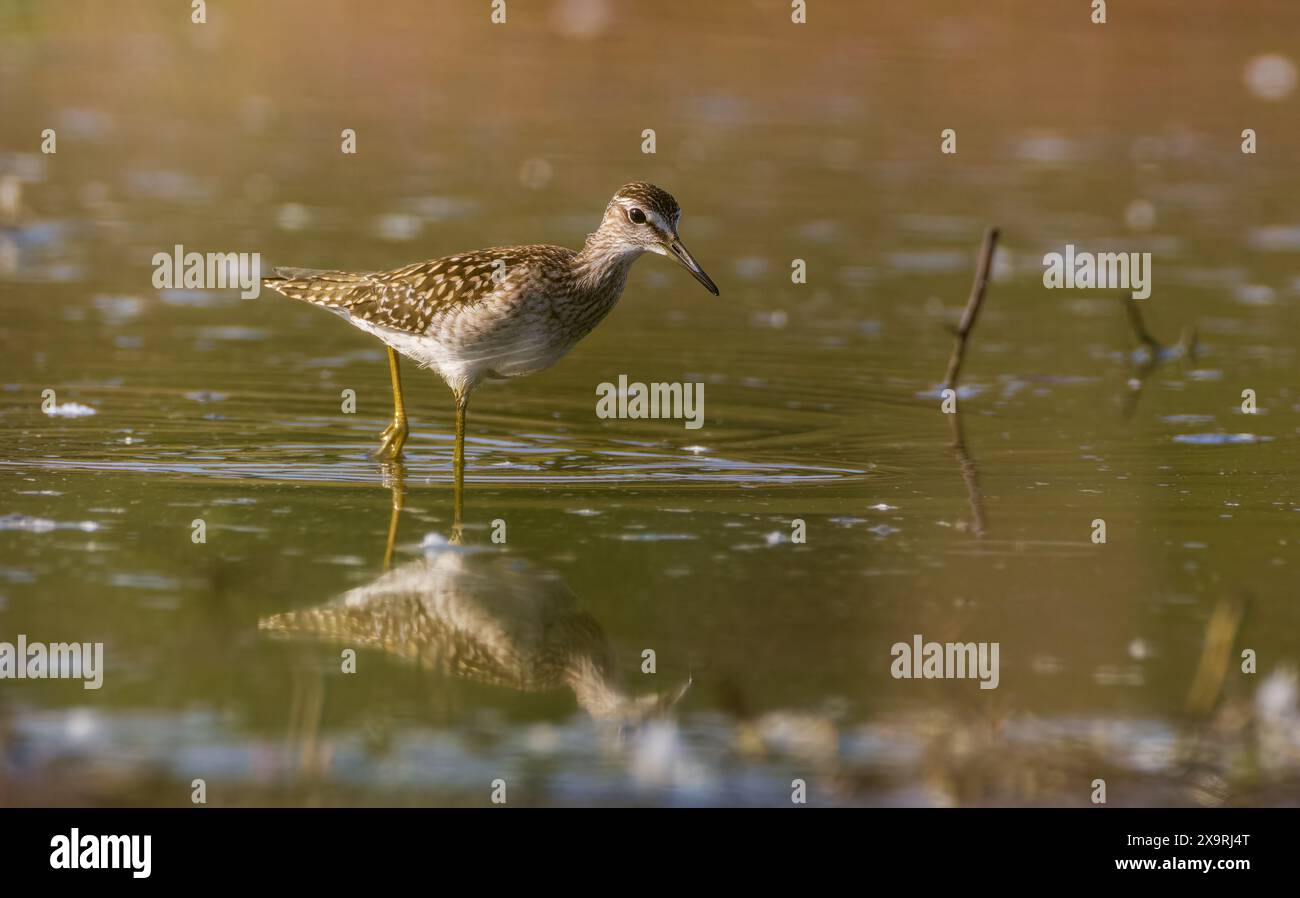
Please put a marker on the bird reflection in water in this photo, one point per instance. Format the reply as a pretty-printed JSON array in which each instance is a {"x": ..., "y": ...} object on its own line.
[{"x": 479, "y": 614}]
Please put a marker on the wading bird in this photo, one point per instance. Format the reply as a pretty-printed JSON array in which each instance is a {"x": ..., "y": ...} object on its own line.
[{"x": 501, "y": 312}]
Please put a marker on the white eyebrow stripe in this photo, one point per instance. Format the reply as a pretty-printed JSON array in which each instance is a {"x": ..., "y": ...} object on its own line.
[{"x": 662, "y": 226}]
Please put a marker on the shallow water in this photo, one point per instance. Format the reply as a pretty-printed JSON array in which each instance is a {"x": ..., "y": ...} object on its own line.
[{"x": 522, "y": 661}]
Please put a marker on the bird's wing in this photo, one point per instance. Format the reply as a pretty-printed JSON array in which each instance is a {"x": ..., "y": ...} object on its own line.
[
  {"x": 402, "y": 626},
  {"x": 407, "y": 299}
]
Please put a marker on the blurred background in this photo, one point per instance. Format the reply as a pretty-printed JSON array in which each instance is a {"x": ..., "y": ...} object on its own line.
[{"x": 524, "y": 661}]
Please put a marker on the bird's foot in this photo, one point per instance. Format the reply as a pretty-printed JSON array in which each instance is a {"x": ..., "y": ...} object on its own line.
[{"x": 392, "y": 440}]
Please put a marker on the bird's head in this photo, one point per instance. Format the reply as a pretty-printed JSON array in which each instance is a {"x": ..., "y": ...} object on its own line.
[{"x": 644, "y": 218}]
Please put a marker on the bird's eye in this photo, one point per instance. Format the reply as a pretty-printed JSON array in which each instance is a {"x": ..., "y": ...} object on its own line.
[{"x": 636, "y": 216}]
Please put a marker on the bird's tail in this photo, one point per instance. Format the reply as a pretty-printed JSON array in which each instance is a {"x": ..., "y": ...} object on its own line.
[{"x": 322, "y": 287}]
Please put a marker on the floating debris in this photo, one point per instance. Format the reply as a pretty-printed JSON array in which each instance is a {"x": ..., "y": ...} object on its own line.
[
  {"x": 70, "y": 410},
  {"x": 965, "y": 391},
  {"x": 29, "y": 524},
  {"x": 1220, "y": 439}
]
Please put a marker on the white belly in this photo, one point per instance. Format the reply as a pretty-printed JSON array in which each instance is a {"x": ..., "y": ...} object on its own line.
[{"x": 462, "y": 360}]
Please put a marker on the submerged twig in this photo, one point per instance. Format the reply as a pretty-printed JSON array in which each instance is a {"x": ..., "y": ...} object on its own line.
[
  {"x": 969, "y": 473},
  {"x": 1216, "y": 655},
  {"x": 1187, "y": 342},
  {"x": 1157, "y": 353},
  {"x": 1139, "y": 326},
  {"x": 972, "y": 307}
]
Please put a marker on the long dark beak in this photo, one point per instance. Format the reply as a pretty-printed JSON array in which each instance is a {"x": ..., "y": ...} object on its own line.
[{"x": 689, "y": 263}]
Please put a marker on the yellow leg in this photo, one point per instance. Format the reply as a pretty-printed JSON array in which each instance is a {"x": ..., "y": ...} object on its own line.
[
  {"x": 394, "y": 435},
  {"x": 458, "y": 467},
  {"x": 395, "y": 479}
]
